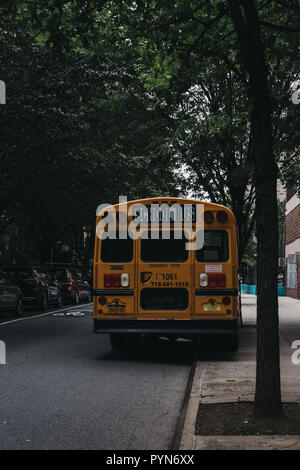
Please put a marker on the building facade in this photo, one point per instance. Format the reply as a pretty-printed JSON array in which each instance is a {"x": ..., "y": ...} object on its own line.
[{"x": 292, "y": 243}]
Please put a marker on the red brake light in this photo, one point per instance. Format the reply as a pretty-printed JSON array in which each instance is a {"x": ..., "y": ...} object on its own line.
[
  {"x": 222, "y": 217},
  {"x": 107, "y": 280},
  {"x": 212, "y": 280},
  {"x": 216, "y": 280},
  {"x": 112, "y": 280},
  {"x": 221, "y": 279}
]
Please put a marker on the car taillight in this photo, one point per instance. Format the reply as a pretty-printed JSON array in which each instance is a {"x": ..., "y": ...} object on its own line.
[
  {"x": 32, "y": 281},
  {"x": 67, "y": 285},
  {"x": 112, "y": 280},
  {"x": 216, "y": 279}
]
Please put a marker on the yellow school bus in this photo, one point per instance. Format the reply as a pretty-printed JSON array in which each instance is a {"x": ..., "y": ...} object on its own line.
[{"x": 150, "y": 278}]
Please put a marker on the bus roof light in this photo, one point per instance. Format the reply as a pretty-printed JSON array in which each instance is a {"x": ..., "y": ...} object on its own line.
[
  {"x": 208, "y": 217},
  {"x": 222, "y": 217}
]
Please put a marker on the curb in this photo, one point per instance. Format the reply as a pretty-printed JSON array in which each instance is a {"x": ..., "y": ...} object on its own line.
[
  {"x": 190, "y": 441},
  {"x": 181, "y": 420},
  {"x": 188, "y": 438}
]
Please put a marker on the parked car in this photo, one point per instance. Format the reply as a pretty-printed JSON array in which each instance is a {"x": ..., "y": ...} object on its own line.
[
  {"x": 11, "y": 298},
  {"x": 38, "y": 287},
  {"x": 73, "y": 285},
  {"x": 87, "y": 274}
]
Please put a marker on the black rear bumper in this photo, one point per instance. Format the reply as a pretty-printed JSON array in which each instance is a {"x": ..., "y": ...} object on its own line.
[{"x": 178, "y": 327}]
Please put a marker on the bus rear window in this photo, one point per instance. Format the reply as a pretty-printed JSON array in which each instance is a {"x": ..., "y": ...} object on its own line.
[
  {"x": 163, "y": 251},
  {"x": 116, "y": 251},
  {"x": 215, "y": 248}
]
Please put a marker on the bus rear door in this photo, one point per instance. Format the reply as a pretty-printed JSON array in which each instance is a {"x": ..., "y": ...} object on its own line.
[{"x": 164, "y": 277}]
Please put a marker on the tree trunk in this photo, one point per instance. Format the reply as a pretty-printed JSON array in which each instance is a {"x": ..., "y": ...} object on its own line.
[{"x": 267, "y": 394}]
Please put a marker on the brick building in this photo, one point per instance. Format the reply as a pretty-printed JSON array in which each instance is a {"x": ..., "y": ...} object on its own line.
[{"x": 292, "y": 243}]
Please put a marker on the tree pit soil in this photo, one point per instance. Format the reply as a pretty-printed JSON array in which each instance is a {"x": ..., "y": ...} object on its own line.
[{"x": 236, "y": 419}]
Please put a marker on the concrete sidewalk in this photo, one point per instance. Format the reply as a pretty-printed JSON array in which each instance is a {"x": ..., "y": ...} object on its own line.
[{"x": 230, "y": 377}]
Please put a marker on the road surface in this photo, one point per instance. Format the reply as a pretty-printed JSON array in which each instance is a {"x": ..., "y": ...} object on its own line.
[{"x": 63, "y": 388}]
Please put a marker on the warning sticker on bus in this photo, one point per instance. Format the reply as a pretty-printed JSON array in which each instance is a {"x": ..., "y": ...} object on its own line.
[{"x": 213, "y": 268}]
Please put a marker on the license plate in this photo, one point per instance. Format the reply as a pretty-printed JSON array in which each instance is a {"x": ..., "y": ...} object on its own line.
[
  {"x": 120, "y": 309},
  {"x": 209, "y": 307}
]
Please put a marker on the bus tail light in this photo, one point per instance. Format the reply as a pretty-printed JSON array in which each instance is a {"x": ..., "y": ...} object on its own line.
[
  {"x": 203, "y": 280},
  {"x": 124, "y": 280},
  {"x": 112, "y": 280},
  {"x": 116, "y": 280},
  {"x": 212, "y": 280},
  {"x": 222, "y": 217},
  {"x": 102, "y": 300},
  {"x": 216, "y": 280},
  {"x": 221, "y": 280},
  {"x": 226, "y": 300}
]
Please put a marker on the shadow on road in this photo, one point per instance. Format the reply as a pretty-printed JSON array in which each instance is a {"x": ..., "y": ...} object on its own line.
[
  {"x": 162, "y": 350},
  {"x": 159, "y": 350}
]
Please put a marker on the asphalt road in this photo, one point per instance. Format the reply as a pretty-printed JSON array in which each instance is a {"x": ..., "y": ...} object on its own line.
[{"x": 63, "y": 388}]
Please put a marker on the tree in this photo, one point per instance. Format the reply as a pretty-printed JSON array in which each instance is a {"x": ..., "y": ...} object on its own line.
[
  {"x": 162, "y": 47},
  {"x": 268, "y": 393},
  {"x": 215, "y": 144},
  {"x": 68, "y": 131}
]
